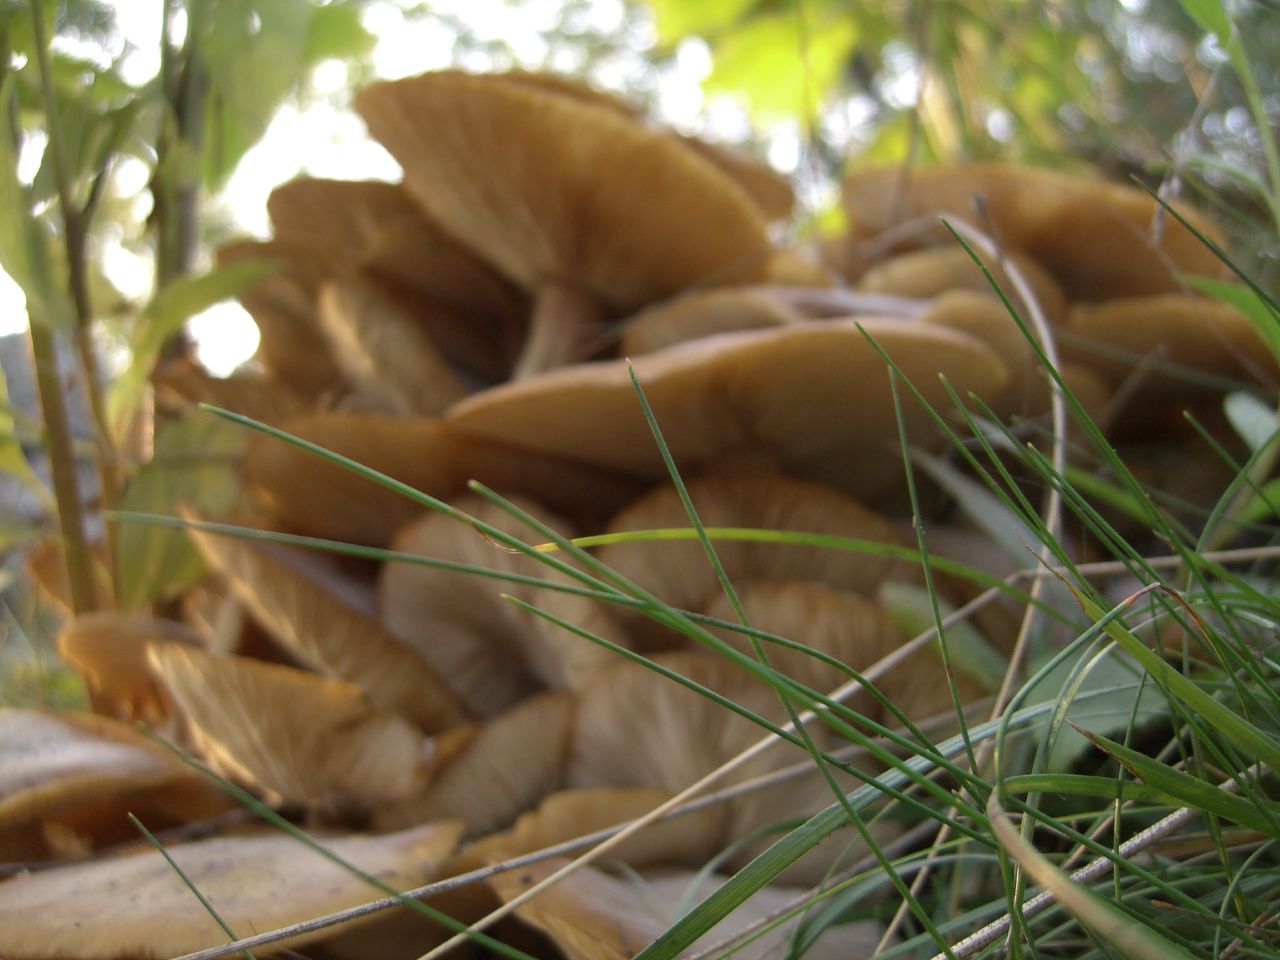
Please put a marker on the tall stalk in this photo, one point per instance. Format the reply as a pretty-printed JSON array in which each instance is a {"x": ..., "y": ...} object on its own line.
[{"x": 75, "y": 220}]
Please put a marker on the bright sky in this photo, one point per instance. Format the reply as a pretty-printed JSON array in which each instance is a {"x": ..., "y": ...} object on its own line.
[{"x": 327, "y": 141}]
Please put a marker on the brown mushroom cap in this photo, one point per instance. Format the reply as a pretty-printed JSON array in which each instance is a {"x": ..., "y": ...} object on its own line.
[
  {"x": 1096, "y": 238},
  {"x": 928, "y": 273},
  {"x": 307, "y": 739},
  {"x": 636, "y": 728},
  {"x": 1190, "y": 332},
  {"x": 430, "y": 455},
  {"x": 378, "y": 230},
  {"x": 768, "y": 189},
  {"x": 679, "y": 573},
  {"x": 488, "y": 774},
  {"x": 702, "y": 314},
  {"x": 385, "y": 350},
  {"x": 815, "y": 397},
  {"x": 109, "y": 650},
  {"x": 140, "y": 906},
  {"x": 67, "y": 781},
  {"x": 489, "y": 651},
  {"x": 568, "y": 814},
  {"x": 531, "y": 180},
  {"x": 592, "y": 915},
  {"x": 327, "y": 633}
]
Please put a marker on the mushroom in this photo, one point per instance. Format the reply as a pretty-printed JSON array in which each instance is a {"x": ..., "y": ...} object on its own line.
[
  {"x": 109, "y": 650},
  {"x": 430, "y": 455},
  {"x": 680, "y": 574},
  {"x": 593, "y": 915},
  {"x": 1097, "y": 239},
  {"x": 140, "y": 906},
  {"x": 67, "y": 781},
  {"x": 488, "y": 773},
  {"x": 384, "y": 350},
  {"x": 587, "y": 209},
  {"x": 568, "y": 814},
  {"x": 637, "y": 728},
  {"x": 304, "y": 738},
  {"x": 702, "y": 314},
  {"x": 377, "y": 230},
  {"x": 928, "y": 273},
  {"x": 327, "y": 633},
  {"x": 814, "y": 397},
  {"x": 1192, "y": 333},
  {"x": 489, "y": 651}
]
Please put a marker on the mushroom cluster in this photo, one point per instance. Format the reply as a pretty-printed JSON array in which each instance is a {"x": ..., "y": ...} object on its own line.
[{"x": 473, "y": 323}]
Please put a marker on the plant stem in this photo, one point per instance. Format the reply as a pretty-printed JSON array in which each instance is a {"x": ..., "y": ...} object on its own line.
[
  {"x": 66, "y": 485},
  {"x": 75, "y": 229}
]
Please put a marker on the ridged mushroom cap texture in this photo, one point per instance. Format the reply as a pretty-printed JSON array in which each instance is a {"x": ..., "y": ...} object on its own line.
[
  {"x": 1096, "y": 238},
  {"x": 530, "y": 180},
  {"x": 815, "y": 397}
]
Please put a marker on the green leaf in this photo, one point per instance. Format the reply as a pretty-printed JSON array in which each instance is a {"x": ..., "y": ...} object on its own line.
[
  {"x": 1112, "y": 702},
  {"x": 779, "y": 71},
  {"x": 981, "y": 506},
  {"x": 677, "y": 19},
  {"x": 255, "y": 52},
  {"x": 27, "y": 253},
  {"x": 169, "y": 310},
  {"x": 911, "y": 610},
  {"x": 1188, "y": 790},
  {"x": 1211, "y": 17},
  {"x": 195, "y": 463},
  {"x": 337, "y": 33},
  {"x": 1257, "y": 743}
]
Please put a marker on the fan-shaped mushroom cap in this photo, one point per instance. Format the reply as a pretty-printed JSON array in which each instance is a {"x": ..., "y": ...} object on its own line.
[
  {"x": 489, "y": 773},
  {"x": 680, "y": 574},
  {"x": 140, "y": 907},
  {"x": 532, "y": 180},
  {"x": 305, "y": 738},
  {"x": 592, "y": 915},
  {"x": 490, "y": 652},
  {"x": 1190, "y": 332},
  {"x": 815, "y": 397},
  {"x": 327, "y": 633},
  {"x": 109, "y": 650},
  {"x": 928, "y": 273},
  {"x": 384, "y": 350},
  {"x": 429, "y": 455},
  {"x": 377, "y": 229},
  {"x": 67, "y": 780},
  {"x": 1096, "y": 238},
  {"x": 702, "y": 314},
  {"x": 569, "y": 814},
  {"x": 585, "y": 206},
  {"x": 636, "y": 728},
  {"x": 988, "y": 320},
  {"x": 768, "y": 189}
]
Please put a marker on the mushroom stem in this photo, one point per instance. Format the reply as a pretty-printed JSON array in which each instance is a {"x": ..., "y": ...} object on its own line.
[{"x": 563, "y": 317}]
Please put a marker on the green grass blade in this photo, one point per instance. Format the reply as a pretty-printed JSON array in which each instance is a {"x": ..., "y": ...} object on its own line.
[
  {"x": 182, "y": 875},
  {"x": 1188, "y": 790}
]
